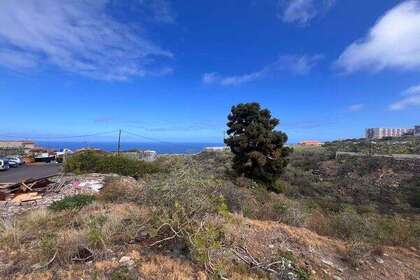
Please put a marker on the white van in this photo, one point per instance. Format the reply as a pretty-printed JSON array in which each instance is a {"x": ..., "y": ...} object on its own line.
[{"x": 3, "y": 164}]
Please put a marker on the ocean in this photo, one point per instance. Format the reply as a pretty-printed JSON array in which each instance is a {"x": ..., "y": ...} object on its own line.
[{"x": 161, "y": 148}]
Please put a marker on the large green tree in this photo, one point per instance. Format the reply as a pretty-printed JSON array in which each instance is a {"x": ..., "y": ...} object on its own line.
[{"x": 258, "y": 149}]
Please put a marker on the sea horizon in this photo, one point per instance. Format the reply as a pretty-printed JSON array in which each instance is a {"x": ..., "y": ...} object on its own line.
[{"x": 159, "y": 147}]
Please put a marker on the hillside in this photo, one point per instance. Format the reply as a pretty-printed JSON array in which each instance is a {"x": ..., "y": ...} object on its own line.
[{"x": 190, "y": 218}]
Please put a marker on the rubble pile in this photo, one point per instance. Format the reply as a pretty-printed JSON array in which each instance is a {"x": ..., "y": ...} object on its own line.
[{"x": 34, "y": 193}]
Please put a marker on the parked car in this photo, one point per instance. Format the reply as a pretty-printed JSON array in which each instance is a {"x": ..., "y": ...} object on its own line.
[
  {"x": 11, "y": 163},
  {"x": 16, "y": 159},
  {"x": 44, "y": 157},
  {"x": 4, "y": 165}
]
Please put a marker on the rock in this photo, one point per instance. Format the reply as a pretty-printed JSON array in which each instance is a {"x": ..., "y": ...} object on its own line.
[
  {"x": 335, "y": 277},
  {"x": 379, "y": 260},
  {"x": 126, "y": 261},
  {"x": 271, "y": 246},
  {"x": 329, "y": 263}
]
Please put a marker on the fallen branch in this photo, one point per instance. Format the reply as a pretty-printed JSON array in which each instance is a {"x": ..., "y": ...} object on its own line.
[
  {"x": 90, "y": 256},
  {"x": 39, "y": 266},
  {"x": 243, "y": 254},
  {"x": 162, "y": 240},
  {"x": 176, "y": 234}
]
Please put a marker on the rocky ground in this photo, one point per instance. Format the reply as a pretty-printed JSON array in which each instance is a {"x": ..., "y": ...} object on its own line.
[{"x": 69, "y": 185}]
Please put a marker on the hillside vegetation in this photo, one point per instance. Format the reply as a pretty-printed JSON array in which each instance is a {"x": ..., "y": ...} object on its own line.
[
  {"x": 394, "y": 145},
  {"x": 192, "y": 218}
]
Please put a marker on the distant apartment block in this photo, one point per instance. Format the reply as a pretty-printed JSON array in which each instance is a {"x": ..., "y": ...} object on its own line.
[{"x": 378, "y": 133}]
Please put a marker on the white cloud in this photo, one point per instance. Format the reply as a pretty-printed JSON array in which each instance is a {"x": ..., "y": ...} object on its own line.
[
  {"x": 298, "y": 65},
  {"x": 411, "y": 98},
  {"x": 302, "y": 11},
  {"x": 412, "y": 90},
  {"x": 77, "y": 36},
  {"x": 393, "y": 43},
  {"x": 355, "y": 108}
]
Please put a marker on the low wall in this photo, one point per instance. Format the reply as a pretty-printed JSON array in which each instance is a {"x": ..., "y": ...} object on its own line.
[{"x": 398, "y": 162}]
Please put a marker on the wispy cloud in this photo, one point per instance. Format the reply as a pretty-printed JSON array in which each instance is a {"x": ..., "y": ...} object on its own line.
[
  {"x": 411, "y": 98},
  {"x": 298, "y": 65},
  {"x": 302, "y": 12},
  {"x": 80, "y": 37},
  {"x": 393, "y": 42},
  {"x": 355, "y": 108},
  {"x": 215, "y": 78}
]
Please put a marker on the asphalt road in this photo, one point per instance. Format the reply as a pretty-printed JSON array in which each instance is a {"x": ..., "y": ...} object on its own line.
[{"x": 25, "y": 172}]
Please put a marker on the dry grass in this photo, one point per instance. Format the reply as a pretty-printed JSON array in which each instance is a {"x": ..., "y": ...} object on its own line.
[{"x": 161, "y": 267}]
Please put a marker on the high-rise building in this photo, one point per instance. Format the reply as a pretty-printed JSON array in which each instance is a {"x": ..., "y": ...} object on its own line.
[{"x": 380, "y": 132}]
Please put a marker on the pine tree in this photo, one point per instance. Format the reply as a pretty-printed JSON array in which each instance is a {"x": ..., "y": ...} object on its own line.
[{"x": 258, "y": 149}]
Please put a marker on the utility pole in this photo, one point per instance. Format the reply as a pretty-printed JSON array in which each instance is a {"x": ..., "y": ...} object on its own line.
[{"x": 119, "y": 142}]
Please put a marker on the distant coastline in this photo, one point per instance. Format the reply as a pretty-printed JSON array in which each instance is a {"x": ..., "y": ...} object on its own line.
[{"x": 161, "y": 148}]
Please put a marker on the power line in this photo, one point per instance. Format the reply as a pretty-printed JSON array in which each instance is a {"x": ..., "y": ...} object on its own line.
[
  {"x": 89, "y": 135},
  {"x": 119, "y": 141},
  {"x": 61, "y": 137}
]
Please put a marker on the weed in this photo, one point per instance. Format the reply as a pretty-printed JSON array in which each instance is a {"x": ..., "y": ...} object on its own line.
[
  {"x": 48, "y": 245},
  {"x": 72, "y": 202},
  {"x": 122, "y": 273},
  {"x": 356, "y": 251}
]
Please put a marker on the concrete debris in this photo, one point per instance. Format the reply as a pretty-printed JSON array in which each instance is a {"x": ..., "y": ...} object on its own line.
[
  {"x": 94, "y": 185},
  {"x": 379, "y": 260},
  {"x": 24, "y": 196},
  {"x": 329, "y": 263},
  {"x": 126, "y": 261}
]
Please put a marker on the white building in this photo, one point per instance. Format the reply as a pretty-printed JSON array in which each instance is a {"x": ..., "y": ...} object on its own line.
[
  {"x": 380, "y": 132},
  {"x": 216, "y": 149}
]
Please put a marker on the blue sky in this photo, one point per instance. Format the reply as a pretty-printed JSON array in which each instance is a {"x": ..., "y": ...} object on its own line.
[{"x": 171, "y": 70}]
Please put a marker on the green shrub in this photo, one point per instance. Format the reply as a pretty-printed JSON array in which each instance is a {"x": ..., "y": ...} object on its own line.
[
  {"x": 280, "y": 186},
  {"x": 72, "y": 202},
  {"x": 415, "y": 200},
  {"x": 48, "y": 245},
  {"x": 99, "y": 162},
  {"x": 123, "y": 273},
  {"x": 83, "y": 162},
  {"x": 356, "y": 251},
  {"x": 412, "y": 189}
]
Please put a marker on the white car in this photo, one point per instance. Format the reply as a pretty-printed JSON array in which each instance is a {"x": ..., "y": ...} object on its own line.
[
  {"x": 4, "y": 164},
  {"x": 15, "y": 159}
]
